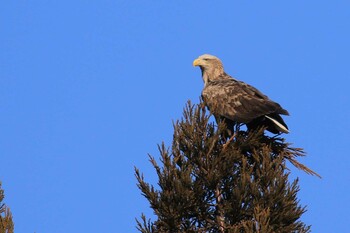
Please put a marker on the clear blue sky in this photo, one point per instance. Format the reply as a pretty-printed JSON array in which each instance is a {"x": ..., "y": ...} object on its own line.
[{"x": 88, "y": 88}]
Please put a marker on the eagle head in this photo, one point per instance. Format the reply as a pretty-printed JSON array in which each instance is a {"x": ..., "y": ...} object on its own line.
[{"x": 211, "y": 67}]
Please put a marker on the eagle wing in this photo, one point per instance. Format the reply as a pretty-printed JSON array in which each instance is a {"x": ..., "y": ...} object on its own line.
[{"x": 238, "y": 101}]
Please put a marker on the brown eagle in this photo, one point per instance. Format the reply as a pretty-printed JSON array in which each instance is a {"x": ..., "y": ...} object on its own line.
[{"x": 237, "y": 102}]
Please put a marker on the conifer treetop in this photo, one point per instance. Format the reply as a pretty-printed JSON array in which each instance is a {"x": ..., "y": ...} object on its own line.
[{"x": 207, "y": 184}]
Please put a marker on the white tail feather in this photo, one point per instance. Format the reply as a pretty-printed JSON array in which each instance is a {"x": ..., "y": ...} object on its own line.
[{"x": 281, "y": 127}]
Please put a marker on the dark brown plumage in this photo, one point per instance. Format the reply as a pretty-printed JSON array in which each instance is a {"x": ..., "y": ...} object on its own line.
[{"x": 235, "y": 101}]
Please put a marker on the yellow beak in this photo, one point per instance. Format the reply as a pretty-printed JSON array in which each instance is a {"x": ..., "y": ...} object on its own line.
[{"x": 196, "y": 62}]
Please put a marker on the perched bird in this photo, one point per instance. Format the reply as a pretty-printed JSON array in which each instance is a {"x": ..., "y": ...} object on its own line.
[{"x": 237, "y": 102}]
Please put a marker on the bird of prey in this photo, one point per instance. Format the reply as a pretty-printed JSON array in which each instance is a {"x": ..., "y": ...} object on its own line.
[{"x": 237, "y": 102}]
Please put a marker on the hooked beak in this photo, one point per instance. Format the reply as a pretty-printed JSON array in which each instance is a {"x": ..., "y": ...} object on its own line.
[{"x": 196, "y": 62}]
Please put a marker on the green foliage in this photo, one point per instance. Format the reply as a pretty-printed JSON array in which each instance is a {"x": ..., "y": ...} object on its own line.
[
  {"x": 209, "y": 183},
  {"x": 6, "y": 223}
]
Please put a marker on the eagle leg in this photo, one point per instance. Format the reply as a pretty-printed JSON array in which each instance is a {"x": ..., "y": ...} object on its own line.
[{"x": 228, "y": 141}]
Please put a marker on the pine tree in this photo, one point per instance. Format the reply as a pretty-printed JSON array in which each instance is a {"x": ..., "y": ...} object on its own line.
[
  {"x": 209, "y": 182},
  {"x": 6, "y": 223}
]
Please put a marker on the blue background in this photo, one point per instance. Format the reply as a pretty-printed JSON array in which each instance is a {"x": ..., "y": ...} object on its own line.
[{"x": 88, "y": 88}]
